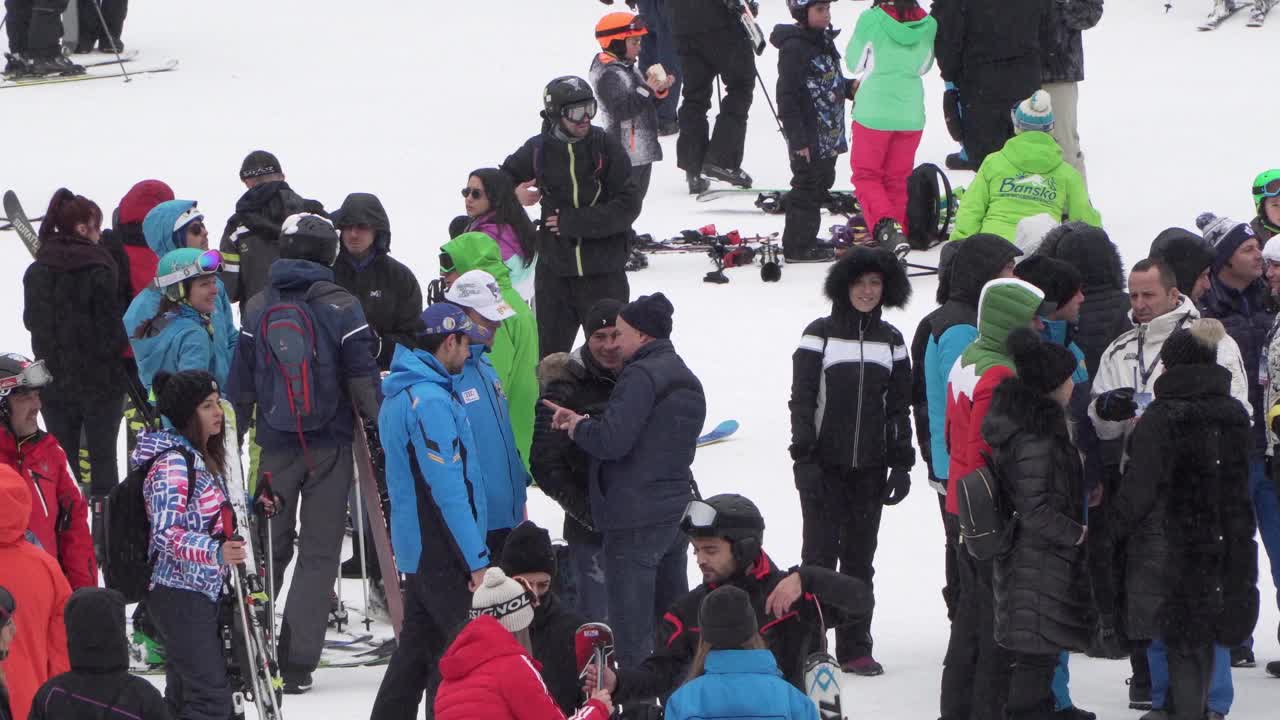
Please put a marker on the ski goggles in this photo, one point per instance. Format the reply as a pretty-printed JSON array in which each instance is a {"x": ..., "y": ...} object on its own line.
[
  {"x": 701, "y": 517},
  {"x": 637, "y": 26},
  {"x": 32, "y": 377},
  {"x": 579, "y": 112},
  {"x": 1271, "y": 189},
  {"x": 209, "y": 262}
]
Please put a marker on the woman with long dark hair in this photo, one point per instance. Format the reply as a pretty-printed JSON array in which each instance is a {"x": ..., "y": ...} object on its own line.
[
  {"x": 184, "y": 491},
  {"x": 492, "y": 208}
]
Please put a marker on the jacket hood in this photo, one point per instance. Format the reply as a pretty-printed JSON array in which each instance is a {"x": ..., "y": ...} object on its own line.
[
  {"x": 787, "y": 32},
  {"x": 571, "y": 367},
  {"x": 1005, "y": 304},
  {"x": 158, "y": 227},
  {"x": 978, "y": 261},
  {"x": 67, "y": 253},
  {"x": 15, "y": 506},
  {"x": 1185, "y": 252},
  {"x": 856, "y": 262},
  {"x": 292, "y": 274},
  {"x": 410, "y": 367},
  {"x": 1015, "y": 408},
  {"x": 96, "y": 630},
  {"x": 1033, "y": 152},
  {"x": 1210, "y": 386},
  {"x": 480, "y": 641},
  {"x": 151, "y": 444},
  {"x": 1089, "y": 250},
  {"x": 555, "y": 368},
  {"x": 365, "y": 209},
  {"x": 903, "y": 32},
  {"x": 1162, "y": 326},
  {"x": 756, "y": 662},
  {"x": 478, "y": 251},
  {"x": 141, "y": 199}
]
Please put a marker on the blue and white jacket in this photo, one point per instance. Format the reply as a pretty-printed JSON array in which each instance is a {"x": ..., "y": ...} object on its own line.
[
  {"x": 740, "y": 684},
  {"x": 505, "y": 477}
]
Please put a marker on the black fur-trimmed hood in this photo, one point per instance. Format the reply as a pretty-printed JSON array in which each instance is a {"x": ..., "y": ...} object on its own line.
[
  {"x": 860, "y": 260},
  {"x": 1090, "y": 250},
  {"x": 1015, "y": 408}
]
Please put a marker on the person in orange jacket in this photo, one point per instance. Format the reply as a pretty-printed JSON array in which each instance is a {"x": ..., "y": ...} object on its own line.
[
  {"x": 39, "y": 649},
  {"x": 59, "y": 515}
]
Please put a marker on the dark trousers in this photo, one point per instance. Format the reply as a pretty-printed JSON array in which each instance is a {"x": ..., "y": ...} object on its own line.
[
  {"x": 842, "y": 524},
  {"x": 91, "y": 28},
  {"x": 1190, "y": 674},
  {"x": 582, "y": 574},
  {"x": 196, "y": 686},
  {"x": 987, "y": 124},
  {"x": 640, "y": 175},
  {"x": 1030, "y": 687},
  {"x": 659, "y": 47},
  {"x": 704, "y": 57},
  {"x": 647, "y": 571},
  {"x": 951, "y": 530},
  {"x": 435, "y": 608},
  {"x": 562, "y": 304},
  {"x": 811, "y": 181},
  {"x": 35, "y": 27},
  {"x": 975, "y": 673},
  {"x": 100, "y": 424}
]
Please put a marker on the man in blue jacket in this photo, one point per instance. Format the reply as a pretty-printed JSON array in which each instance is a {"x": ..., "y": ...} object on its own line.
[
  {"x": 641, "y": 451},
  {"x": 438, "y": 507},
  {"x": 480, "y": 390}
]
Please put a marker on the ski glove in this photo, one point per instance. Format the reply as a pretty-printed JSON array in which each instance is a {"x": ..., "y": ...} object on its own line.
[
  {"x": 1116, "y": 405},
  {"x": 895, "y": 491},
  {"x": 808, "y": 477}
]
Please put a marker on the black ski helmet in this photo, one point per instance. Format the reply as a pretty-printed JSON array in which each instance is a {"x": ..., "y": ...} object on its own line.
[
  {"x": 309, "y": 237},
  {"x": 737, "y": 520},
  {"x": 13, "y": 365},
  {"x": 800, "y": 8},
  {"x": 563, "y": 92}
]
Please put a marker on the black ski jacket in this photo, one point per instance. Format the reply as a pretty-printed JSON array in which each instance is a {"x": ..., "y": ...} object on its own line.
[
  {"x": 385, "y": 287},
  {"x": 991, "y": 49},
  {"x": 553, "y": 629},
  {"x": 1248, "y": 319},
  {"x": 791, "y": 638},
  {"x": 1062, "y": 59},
  {"x": 811, "y": 90},
  {"x": 251, "y": 240},
  {"x": 690, "y": 17},
  {"x": 1104, "y": 316},
  {"x": 588, "y": 184},
  {"x": 1184, "y": 516}
]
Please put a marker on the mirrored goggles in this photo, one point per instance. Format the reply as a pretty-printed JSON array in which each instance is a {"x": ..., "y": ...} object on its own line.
[
  {"x": 1271, "y": 189},
  {"x": 698, "y": 515},
  {"x": 580, "y": 112},
  {"x": 209, "y": 262}
]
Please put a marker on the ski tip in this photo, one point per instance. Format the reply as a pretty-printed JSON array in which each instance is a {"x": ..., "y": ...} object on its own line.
[{"x": 727, "y": 426}]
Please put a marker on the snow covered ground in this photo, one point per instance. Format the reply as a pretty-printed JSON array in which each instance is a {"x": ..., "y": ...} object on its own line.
[{"x": 405, "y": 99}]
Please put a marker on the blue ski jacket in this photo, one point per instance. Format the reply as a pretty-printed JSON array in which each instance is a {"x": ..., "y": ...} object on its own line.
[
  {"x": 740, "y": 684},
  {"x": 439, "y": 513},
  {"x": 181, "y": 340},
  {"x": 505, "y": 477}
]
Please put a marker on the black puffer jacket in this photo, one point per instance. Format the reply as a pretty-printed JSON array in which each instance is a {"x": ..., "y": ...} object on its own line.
[
  {"x": 588, "y": 184},
  {"x": 99, "y": 686},
  {"x": 385, "y": 287},
  {"x": 992, "y": 48},
  {"x": 851, "y": 377},
  {"x": 1062, "y": 59},
  {"x": 1185, "y": 517},
  {"x": 559, "y": 467},
  {"x": 1042, "y": 592},
  {"x": 1247, "y": 316},
  {"x": 552, "y": 632},
  {"x": 1104, "y": 316},
  {"x": 77, "y": 326},
  {"x": 251, "y": 240}
]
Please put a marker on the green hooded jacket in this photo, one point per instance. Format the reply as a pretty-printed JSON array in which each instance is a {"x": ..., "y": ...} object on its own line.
[
  {"x": 889, "y": 58},
  {"x": 515, "y": 348},
  {"x": 1026, "y": 177}
]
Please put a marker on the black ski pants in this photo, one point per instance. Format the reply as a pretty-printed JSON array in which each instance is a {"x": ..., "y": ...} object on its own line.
[
  {"x": 811, "y": 181},
  {"x": 98, "y": 423},
  {"x": 436, "y": 606},
  {"x": 951, "y": 530},
  {"x": 725, "y": 54},
  {"x": 1190, "y": 673},
  {"x": 1031, "y": 687},
  {"x": 975, "y": 672},
  {"x": 988, "y": 123},
  {"x": 842, "y": 524},
  {"x": 562, "y": 303},
  {"x": 91, "y": 28},
  {"x": 196, "y": 685},
  {"x": 640, "y": 176},
  {"x": 35, "y": 27}
]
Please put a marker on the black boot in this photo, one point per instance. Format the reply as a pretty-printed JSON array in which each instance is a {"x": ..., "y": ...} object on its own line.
[
  {"x": 56, "y": 64},
  {"x": 958, "y": 161},
  {"x": 697, "y": 183},
  {"x": 16, "y": 65},
  {"x": 733, "y": 176}
]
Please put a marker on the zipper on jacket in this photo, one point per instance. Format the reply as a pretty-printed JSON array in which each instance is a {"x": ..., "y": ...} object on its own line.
[
  {"x": 862, "y": 370},
  {"x": 573, "y": 174}
]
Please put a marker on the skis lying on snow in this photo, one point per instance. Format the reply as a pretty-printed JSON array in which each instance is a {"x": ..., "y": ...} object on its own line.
[
  {"x": 1220, "y": 14},
  {"x": 100, "y": 59},
  {"x": 18, "y": 220},
  {"x": 773, "y": 201},
  {"x": 165, "y": 66},
  {"x": 719, "y": 433}
]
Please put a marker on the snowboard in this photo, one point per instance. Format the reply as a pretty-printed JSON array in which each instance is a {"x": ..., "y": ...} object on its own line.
[
  {"x": 166, "y": 66},
  {"x": 1216, "y": 18},
  {"x": 371, "y": 478},
  {"x": 770, "y": 200},
  {"x": 18, "y": 220},
  {"x": 719, "y": 433}
]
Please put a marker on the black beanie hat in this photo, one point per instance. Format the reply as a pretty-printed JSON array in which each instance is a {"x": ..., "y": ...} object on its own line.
[
  {"x": 726, "y": 618},
  {"x": 259, "y": 163},
  {"x": 528, "y": 549},
  {"x": 602, "y": 315},
  {"x": 650, "y": 314},
  {"x": 1058, "y": 280},
  {"x": 1042, "y": 366},
  {"x": 1195, "y": 344},
  {"x": 178, "y": 395},
  {"x": 1184, "y": 252}
]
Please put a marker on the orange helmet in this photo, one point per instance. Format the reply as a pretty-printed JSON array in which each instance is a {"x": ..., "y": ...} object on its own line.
[{"x": 619, "y": 26}]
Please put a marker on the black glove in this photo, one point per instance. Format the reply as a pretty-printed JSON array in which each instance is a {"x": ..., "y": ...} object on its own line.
[
  {"x": 898, "y": 486},
  {"x": 1116, "y": 405},
  {"x": 808, "y": 476},
  {"x": 265, "y": 491}
]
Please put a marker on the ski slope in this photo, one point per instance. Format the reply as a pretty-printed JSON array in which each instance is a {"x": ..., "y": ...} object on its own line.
[{"x": 405, "y": 99}]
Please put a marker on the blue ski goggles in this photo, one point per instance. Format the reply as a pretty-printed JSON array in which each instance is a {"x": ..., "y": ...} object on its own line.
[{"x": 1271, "y": 189}]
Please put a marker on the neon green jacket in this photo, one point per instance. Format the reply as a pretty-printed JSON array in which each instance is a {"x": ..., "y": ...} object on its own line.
[{"x": 1027, "y": 177}]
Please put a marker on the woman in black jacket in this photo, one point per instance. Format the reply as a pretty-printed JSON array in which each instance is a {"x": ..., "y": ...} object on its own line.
[
  {"x": 850, "y": 426},
  {"x": 1042, "y": 600},
  {"x": 1185, "y": 514}
]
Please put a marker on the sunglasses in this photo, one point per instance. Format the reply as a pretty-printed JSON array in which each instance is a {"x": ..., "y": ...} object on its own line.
[
  {"x": 196, "y": 228},
  {"x": 579, "y": 112},
  {"x": 209, "y": 262},
  {"x": 1271, "y": 189},
  {"x": 473, "y": 193}
]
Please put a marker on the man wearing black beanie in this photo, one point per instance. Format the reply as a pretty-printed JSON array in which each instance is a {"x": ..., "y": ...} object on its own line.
[{"x": 641, "y": 450}]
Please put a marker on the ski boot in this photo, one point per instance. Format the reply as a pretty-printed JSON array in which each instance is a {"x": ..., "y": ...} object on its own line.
[
  {"x": 841, "y": 203},
  {"x": 1139, "y": 693},
  {"x": 812, "y": 254},
  {"x": 697, "y": 183},
  {"x": 636, "y": 261},
  {"x": 888, "y": 235},
  {"x": 960, "y": 161},
  {"x": 771, "y": 202},
  {"x": 146, "y": 650},
  {"x": 733, "y": 176},
  {"x": 57, "y": 64},
  {"x": 16, "y": 65}
]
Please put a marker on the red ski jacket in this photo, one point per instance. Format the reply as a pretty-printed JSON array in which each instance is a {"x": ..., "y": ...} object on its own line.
[
  {"x": 59, "y": 514},
  {"x": 487, "y": 674}
]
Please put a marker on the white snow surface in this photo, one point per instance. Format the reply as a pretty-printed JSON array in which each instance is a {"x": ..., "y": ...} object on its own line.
[{"x": 405, "y": 99}]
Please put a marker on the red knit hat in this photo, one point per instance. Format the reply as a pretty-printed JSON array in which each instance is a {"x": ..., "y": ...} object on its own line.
[{"x": 141, "y": 198}]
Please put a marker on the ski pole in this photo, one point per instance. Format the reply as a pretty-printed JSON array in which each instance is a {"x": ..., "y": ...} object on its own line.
[
  {"x": 114, "y": 49},
  {"x": 271, "y": 561},
  {"x": 364, "y": 570},
  {"x": 769, "y": 100}
]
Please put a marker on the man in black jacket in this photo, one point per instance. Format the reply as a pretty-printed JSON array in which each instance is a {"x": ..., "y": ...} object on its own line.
[
  {"x": 251, "y": 240},
  {"x": 793, "y": 608},
  {"x": 711, "y": 44},
  {"x": 991, "y": 51},
  {"x": 1062, "y": 69},
  {"x": 641, "y": 450},
  {"x": 581, "y": 381},
  {"x": 589, "y": 201}
]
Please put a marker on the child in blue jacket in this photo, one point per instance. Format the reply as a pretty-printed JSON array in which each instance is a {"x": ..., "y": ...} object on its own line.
[{"x": 734, "y": 675}]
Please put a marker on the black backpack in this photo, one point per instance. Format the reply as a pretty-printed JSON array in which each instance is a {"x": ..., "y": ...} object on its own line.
[
  {"x": 128, "y": 558},
  {"x": 931, "y": 207},
  {"x": 986, "y": 522}
]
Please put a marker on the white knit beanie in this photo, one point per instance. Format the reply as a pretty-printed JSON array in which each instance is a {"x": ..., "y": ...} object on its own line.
[
  {"x": 506, "y": 600},
  {"x": 1034, "y": 113}
]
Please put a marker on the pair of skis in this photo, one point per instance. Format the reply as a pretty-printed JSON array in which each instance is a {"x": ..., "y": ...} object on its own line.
[{"x": 110, "y": 68}]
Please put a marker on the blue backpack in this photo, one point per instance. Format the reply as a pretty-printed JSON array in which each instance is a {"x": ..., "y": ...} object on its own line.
[{"x": 290, "y": 364}]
